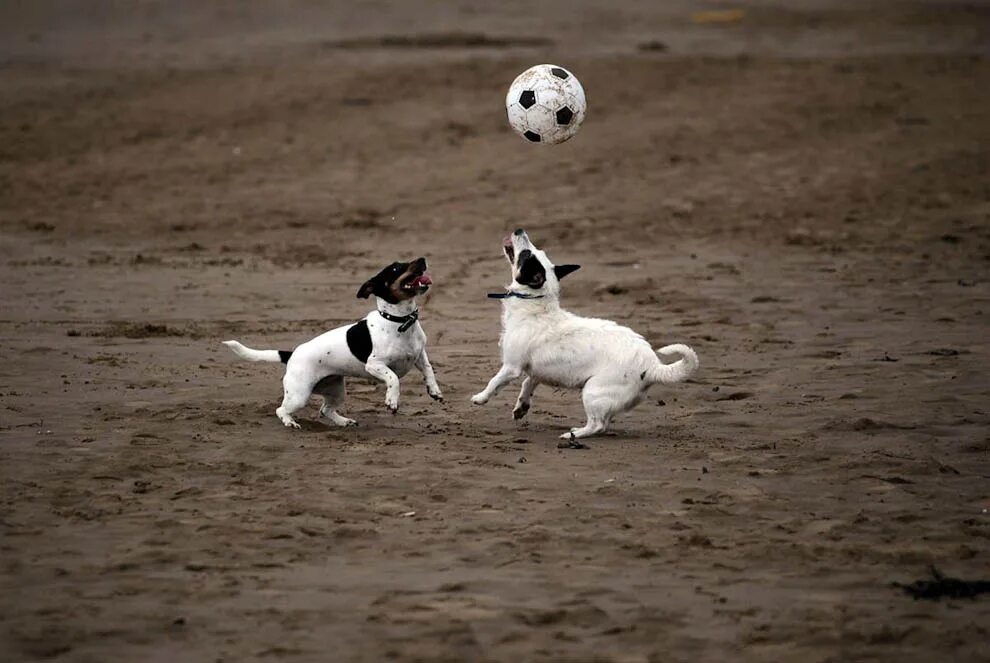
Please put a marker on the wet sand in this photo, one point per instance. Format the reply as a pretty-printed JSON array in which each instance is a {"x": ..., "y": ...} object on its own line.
[{"x": 802, "y": 196}]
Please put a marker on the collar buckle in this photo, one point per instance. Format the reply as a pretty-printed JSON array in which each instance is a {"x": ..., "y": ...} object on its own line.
[{"x": 405, "y": 321}]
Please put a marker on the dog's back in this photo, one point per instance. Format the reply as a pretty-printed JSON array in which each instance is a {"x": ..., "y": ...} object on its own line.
[{"x": 567, "y": 350}]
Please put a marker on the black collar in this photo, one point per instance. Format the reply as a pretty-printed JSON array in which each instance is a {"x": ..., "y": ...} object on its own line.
[
  {"x": 405, "y": 321},
  {"x": 511, "y": 293}
]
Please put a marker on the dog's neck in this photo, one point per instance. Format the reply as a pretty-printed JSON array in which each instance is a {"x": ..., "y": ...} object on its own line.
[
  {"x": 399, "y": 310},
  {"x": 530, "y": 305}
]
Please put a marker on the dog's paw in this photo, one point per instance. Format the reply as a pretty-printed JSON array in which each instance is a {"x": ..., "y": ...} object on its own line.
[
  {"x": 436, "y": 395},
  {"x": 291, "y": 424},
  {"x": 571, "y": 443},
  {"x": 479, "y": 399},
  {"x": 520, "y": 411}
]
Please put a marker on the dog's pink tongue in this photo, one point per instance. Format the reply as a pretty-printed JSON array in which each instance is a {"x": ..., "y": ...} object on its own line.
[
  {"x": 507, "y": 241},
  {"x": 423, "y": 279}
]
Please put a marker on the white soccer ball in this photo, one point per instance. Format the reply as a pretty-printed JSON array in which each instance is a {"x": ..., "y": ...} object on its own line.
[{"x": 546, "y": 104}]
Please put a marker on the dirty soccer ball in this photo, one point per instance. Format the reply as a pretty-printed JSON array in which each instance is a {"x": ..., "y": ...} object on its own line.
[{"x": 546, "y": 104}]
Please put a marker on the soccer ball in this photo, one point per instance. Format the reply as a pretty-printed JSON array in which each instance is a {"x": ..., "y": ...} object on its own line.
[{"x": 546, "y": 104}]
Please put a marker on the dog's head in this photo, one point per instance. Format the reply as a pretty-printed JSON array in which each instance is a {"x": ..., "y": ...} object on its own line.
[
  {"x": 532, "y": 271},
  {"x": 398, "y": 282}
]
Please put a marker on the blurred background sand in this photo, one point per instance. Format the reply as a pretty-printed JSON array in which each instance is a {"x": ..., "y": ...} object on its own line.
[{"x": 799, "y": 190}]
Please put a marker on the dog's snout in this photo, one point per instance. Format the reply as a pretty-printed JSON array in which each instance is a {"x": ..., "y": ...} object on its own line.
[
  {"x": 421, "y": 261},
  {"x": 519, "y": 232}
]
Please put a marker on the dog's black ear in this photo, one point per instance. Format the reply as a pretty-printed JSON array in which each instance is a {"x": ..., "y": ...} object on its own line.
[
  {"x": 367, "y": 289},
  {"x": 560, "y": 271}
]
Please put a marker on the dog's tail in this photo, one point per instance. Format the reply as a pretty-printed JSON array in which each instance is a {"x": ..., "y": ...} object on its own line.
[
  {"x": 245, "y": 352},
  {"x": 681, "y": 369}
]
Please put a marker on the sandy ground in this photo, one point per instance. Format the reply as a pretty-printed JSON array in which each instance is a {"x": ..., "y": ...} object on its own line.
[{"x": 803, "y": 196}]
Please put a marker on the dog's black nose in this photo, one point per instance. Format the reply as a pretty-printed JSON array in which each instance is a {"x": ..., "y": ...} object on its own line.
[{"x": 519, "y": 231}]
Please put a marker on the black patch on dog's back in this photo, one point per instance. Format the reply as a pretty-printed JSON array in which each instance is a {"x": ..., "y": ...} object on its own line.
[
  {"x": 284, "y": 355},
  {"x": 359, "y": 341}
]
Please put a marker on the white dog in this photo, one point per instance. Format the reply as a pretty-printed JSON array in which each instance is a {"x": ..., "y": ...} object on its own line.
[
  {"x": 612, "y": 365},
  {"x": 385, "y": 345}
]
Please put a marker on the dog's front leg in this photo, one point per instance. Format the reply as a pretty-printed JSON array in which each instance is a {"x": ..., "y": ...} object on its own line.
[
  {"x": 424, "y": 366},
  {"x": 379, "y": 370},
  {"x": 525, "y": 396},
  {"x": 505, "y": 375}
]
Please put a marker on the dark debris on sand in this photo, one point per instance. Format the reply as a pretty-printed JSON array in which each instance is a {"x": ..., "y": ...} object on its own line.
[{"x": 942, "y": 586}]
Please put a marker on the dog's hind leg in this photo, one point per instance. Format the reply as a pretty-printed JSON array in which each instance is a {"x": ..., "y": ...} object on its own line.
[
  {"x": 293, "y": 400},
  {"x": 332, "y": 390},
  {"x": 525, "y": 397},
  {"x": 296, "y": 387},
  {"x": 594, "y": 426},
  {"x": 599, "y": 405}
]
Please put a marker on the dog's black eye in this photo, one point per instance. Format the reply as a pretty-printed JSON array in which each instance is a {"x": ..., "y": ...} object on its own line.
[{"x": 531, "y": 270}]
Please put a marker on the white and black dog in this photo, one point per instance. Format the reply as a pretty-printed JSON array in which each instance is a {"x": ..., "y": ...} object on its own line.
[
  {"x": 612, "y": 365},
  {"x": 385, "y": 345}
]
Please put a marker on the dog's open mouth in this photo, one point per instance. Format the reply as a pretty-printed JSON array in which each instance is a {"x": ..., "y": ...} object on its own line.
[
  {"x": 510, "y": 252},
  {"x": 421, "y": 283}
]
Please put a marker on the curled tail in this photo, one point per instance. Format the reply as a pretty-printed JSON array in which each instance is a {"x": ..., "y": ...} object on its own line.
[
  {"x": 681, "y": 369},
  {"x": 245, "y": 352}
]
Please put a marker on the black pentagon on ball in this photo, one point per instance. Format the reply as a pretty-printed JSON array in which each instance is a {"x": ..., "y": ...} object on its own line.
[
  {"x": 527, "y": 98},
  {"x": 558, "y": 72},
  {"x": 532, "y": 136},
  {"x": 565, "y": 115}
]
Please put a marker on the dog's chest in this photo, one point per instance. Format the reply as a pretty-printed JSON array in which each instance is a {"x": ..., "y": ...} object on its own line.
[
  {"x": 397, "y": 350},
  {"x": 550, "y": 349},
  {"x": 524, "y": 334}
]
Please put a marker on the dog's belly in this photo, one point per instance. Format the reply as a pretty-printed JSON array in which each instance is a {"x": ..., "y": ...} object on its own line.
[
  {"x": 401, "y": 366},
  {"x": 557, "y": 375},
  {"x": 551, "y": 366},
  {"x": 353, "y": 368},
  {"x": 617, "y": 358},
  {"x": 557, "y": 381},
  {"x": 329, "y": 354}
]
